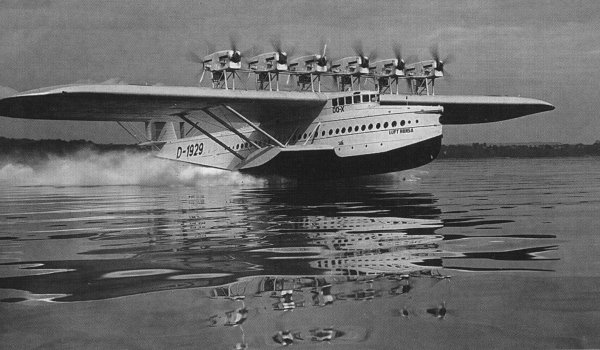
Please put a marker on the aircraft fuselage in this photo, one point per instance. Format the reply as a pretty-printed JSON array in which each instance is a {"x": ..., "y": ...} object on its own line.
[{"x": 353, "y": 135}]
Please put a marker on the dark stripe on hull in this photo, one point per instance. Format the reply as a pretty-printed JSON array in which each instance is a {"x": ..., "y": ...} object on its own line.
[{"x": 326, "y": 164}]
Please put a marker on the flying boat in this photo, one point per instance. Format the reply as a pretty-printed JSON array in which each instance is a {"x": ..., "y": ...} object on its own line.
[{"x": 363, "y": 125}]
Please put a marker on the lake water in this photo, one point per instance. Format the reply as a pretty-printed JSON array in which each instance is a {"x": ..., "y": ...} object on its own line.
[{"x": 129, "y": 252}]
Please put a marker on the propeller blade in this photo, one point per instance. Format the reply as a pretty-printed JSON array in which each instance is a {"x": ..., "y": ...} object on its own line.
[
  {"x": 358, "y": 48},
  {"x": 276, "y": 43},
  {"x": 435, "y": 52},
  {"x": 373, "y": 55},
  {"x": 253, "y": 51},
  {"x": 397, "y": 51},
  {"x": 193, "y": 57},
  {"x": 449, "y": 59},
  {"x": 323, "y": 44},
  {"x": 412, "y": 59},
  {"x": 234, "y": 40},
  {"x": 210, "y": 47},
  {"x": 291, "y": 50},
  {"x": 448, "y": 77}
]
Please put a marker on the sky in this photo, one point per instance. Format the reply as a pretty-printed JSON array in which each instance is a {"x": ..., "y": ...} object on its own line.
[{"x": 549, "y": 50}]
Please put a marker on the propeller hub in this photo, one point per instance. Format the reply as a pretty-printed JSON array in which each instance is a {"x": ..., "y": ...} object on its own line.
[
  {"x": 321, "y": 60},
  {"x": 439, "y": 66},
  {"x": 282, "y": 58},
  {"x": 401, "y": 64},
  {"x": 364, "y": 62},
  {"x": 235, "y": 56}
]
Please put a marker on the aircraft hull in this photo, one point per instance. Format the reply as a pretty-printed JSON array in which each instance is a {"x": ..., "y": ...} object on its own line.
[{"x": 325, "y": 164}]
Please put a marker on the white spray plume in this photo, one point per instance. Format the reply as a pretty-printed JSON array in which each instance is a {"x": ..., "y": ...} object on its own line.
[{"x": 90, "y": 168}]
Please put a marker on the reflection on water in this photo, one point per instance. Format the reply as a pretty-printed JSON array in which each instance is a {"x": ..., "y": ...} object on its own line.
[
  {"x": 260, "y": 250},
  {"x": 106, "y": 242}
]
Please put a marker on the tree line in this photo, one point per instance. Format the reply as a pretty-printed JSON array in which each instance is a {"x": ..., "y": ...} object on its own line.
[{"x": 26, "y": 149}]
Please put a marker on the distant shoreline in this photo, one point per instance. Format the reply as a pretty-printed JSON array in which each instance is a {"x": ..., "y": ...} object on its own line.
[
  {"x": 537, "y": 150},
  {"x": 42, "y": 149}
]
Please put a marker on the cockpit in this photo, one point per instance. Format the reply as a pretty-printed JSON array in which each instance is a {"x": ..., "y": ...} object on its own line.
[{"x": 357, "y": 97}]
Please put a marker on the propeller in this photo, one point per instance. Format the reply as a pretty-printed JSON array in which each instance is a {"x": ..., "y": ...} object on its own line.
[
  {"x": 236, "y": 56},
  {"x": 358, "y": 49},
  {"x": 277, "y": 46},
  {"x": 398, "y": 55},
  {"x": 193, "y": 57},
  {"x": 439, "y": 63},
  {"x": 322, "y": 60},
  {"x": 253, "y": 51}
]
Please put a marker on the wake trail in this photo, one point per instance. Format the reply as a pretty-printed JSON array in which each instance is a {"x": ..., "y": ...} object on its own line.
[{"x": 91, "y": 168}]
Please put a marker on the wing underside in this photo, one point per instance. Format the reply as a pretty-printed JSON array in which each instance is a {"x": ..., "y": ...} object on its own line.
[{"x": 126, "y": 103}]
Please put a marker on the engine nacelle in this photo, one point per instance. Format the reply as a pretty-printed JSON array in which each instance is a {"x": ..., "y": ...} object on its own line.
[
  {"x": 388, "y": 68},
  {"x": 269, "y": 62},
  {"x": 309, "y": 64},
  {"x": 223, "y": 61},
  {"x": 351, "y": 65},
  {"x": 423, "y": 69}
]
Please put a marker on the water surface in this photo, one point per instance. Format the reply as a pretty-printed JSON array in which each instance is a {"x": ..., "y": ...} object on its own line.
[{"x": 458, "y": 254}]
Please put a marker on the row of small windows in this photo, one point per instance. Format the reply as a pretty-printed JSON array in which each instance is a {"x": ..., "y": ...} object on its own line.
[
  {"x": 355, "y": 128},
  {"x": 340, "y": 101},
  {"x": 246, "y": 145}
]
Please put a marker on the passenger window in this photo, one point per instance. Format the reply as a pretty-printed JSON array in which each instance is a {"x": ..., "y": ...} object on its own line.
[
  {"x": 357, "y": 99},
  {"x": 385, "y": 125},
  {"x": 362, "y": 128},
  {"x": 394, "y": 124},
  {"x": 373, "y": 98},
  {"x": 365, "y": 98},
  {"x": 378, "y": 125},
  {"x": 356, "y": 128},
  {"x": 323, "y": 133},
  {"x": 402, "y": 123},
  {"x": 370, "y": 126},
  {"x": 330, "y": 131},
  {"x": 334, "y": 102},
  {"x": 341, "y": 101},
  {"x": 348, "y": 100},
  {"x": 343, "y": 130}
]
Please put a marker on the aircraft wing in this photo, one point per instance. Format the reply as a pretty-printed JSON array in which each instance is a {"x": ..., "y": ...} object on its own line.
[
  {"x": 142, "y": 103},
  {"x": 473, "y": 109}
]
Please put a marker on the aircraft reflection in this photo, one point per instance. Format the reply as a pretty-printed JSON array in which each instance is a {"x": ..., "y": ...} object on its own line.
[
  {"x": 345, "y": 231},
  {"x": 255, "y": 295}
]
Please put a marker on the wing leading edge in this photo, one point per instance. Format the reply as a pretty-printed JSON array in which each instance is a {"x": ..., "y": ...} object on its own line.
[
  {"x": 473, "y": 109},
  {"x": 143, "y": 103}
]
